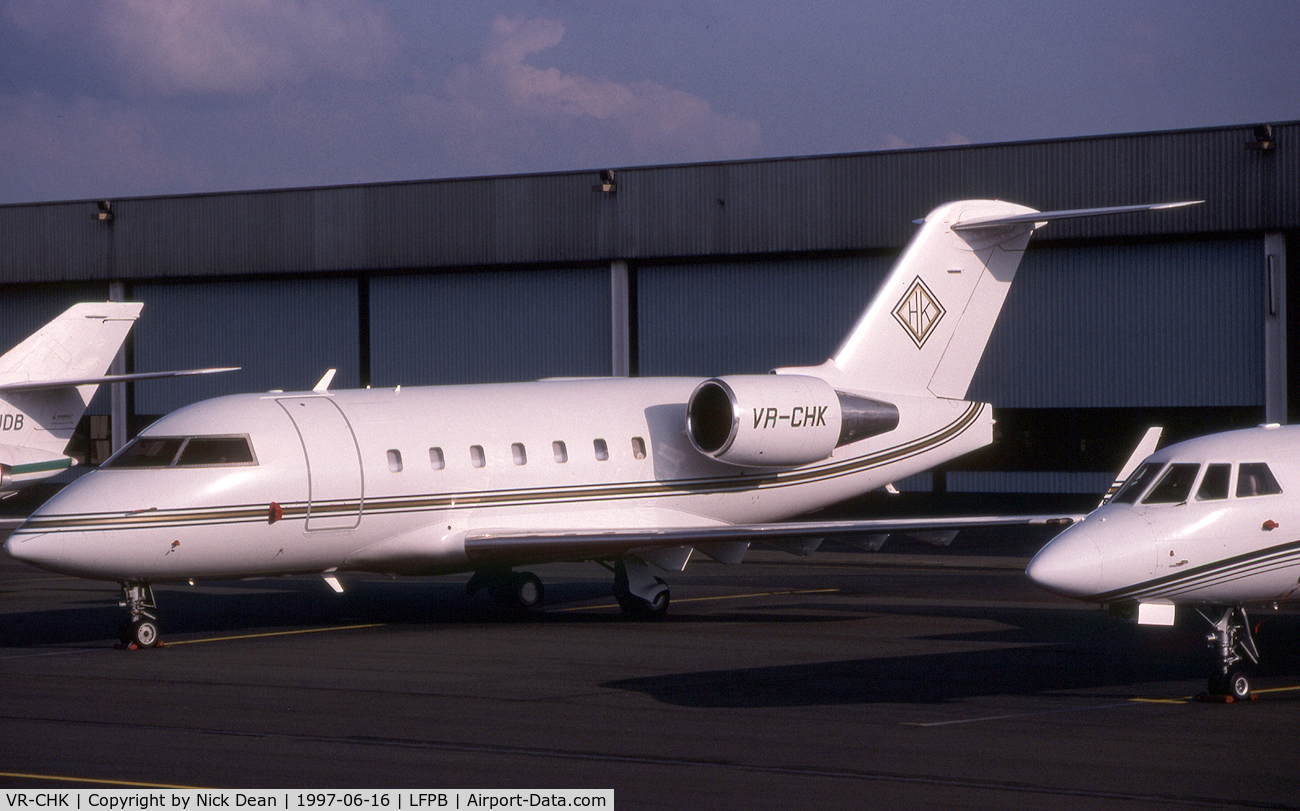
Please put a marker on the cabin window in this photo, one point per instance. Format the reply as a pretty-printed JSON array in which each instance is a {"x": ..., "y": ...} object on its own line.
[
  {"x": 1255, "y": 479},
  {"x": 174, "y": 451},
  {"x": 436, "y": 459},
  {"x": 560, "y": 452},
  {"x": 1137, "y": 483},
  {"x": 394, "y": 460},
  {"x": 1214, "y": 487},
  {"x": 602, "y": 450},
  {"x": 638, "y": 448},
  {"x": 1175, "y": 485},
  {"x": 476, "y": 457},
  {"x": 517, "y": 454}
]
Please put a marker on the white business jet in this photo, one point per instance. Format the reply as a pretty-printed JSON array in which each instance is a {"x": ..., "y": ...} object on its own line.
[
  {"x": 1210, "y": 522},
  {"x": 48, "y": 380},
  {"x": 623, "y": 471}
]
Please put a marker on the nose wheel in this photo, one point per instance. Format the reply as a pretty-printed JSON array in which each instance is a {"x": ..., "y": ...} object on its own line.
[
  {"x": 1235, "y": 645},
  {"x": 141, "y": 627}
]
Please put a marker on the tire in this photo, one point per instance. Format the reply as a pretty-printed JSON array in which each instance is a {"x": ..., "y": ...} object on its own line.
[
  {"x": 528, "y": 590},
  {"x": 1238, "y": 685},
  {"x": 144, "y": 633}
]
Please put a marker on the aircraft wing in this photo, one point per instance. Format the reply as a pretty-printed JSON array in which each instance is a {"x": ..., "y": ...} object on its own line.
[
  {"x": 41, "y": 385},
  {"x": 725, "y": 543}
]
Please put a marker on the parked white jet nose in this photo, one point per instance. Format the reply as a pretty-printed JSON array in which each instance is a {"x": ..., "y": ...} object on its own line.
[
  {"x": 44, "y": 551},
  {"x": 1107, "y": 551},
  {"x": 1068, "y": 565}
]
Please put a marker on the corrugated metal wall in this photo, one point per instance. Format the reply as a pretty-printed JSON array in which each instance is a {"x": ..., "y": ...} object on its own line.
[
  {"x": 839, "y": 203},
  {"x": 1167, "y": 324},
  {"x": 489, "y": 326},
  {"x": 283, "y": 333},
  {"x": 748, "y": 317}
]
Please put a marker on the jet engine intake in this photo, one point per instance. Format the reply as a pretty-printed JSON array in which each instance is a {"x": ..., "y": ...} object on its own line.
[{"x": 779, "y": 420}]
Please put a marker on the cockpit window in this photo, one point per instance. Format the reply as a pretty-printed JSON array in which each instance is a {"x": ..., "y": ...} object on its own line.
[
  {"x": 1137, "y": 483},
  {"x": 193, "y": 451},
  {"x": 216, "y": 450},
  {"x": 1255, "y": 479},
  {"x": 148, "y": 452},
  {"x": 1175, "y": 485},
  {"x": 1214, "y": 487}
]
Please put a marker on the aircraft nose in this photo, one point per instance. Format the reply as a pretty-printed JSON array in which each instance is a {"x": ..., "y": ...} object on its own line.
[
  {"x": 1070, "y": 564},
  {"x": 38, "y": 550}
]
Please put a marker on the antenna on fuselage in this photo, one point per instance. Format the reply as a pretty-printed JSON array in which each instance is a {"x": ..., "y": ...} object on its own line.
[{"x": 325, "y": 381}]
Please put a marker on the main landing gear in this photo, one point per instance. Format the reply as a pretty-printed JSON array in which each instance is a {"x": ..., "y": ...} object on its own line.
[
  {"x": 514, "y": 591},
  {"x": 639, "y": 593},
  {"x": 1235, "y": 645},
  {"x": 140, "y": 630}
]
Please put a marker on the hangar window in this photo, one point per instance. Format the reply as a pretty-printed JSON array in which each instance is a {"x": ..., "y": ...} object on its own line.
[
  {"x": 1214, "y": 487},
  {"x": 476, "y": 457},
  {"x": 518, "y": 454},
  {"x": 394, "y": 460},
  {"x": 1137, "y": 483},
  {"x": 602, "y": 450},
  {"x": 638, "y": 448},
  {"x": 1255, "y": 479},
  {"x": 1175, "y": 485},
  {"x": 179, "y": 451},
  {"x": 436, "y": 460},
  {"x": 561, "y": 453}
]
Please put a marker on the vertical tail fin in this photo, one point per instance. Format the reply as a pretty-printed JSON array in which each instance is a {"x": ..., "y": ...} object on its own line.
[
  {"x": 927, "y": 325},
  {"x": 926, "y": 328},
  {"x": 78, "y": 344},
  {"x": 81, "y": 342}
]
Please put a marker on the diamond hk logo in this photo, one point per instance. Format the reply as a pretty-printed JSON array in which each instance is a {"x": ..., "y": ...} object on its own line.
[{"x": 919, "y": 312}]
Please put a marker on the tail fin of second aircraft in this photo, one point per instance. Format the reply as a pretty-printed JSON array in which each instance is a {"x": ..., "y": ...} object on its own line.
[
  {"x": 926, "y": 328},
  {"x": 47, "y": 380}
]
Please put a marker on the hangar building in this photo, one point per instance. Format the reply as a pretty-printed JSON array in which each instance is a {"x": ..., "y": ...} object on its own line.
[{"x": 1179, "y": 318}]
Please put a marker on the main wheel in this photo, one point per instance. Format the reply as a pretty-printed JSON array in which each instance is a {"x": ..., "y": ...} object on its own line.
[
  {"x": 518, "y": 591},
  {"x": 528, "y": 590}
]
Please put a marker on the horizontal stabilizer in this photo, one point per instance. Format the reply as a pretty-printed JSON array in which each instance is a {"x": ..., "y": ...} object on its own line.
[
  {"x": 44, "y": 385},
  {"x": 1070, "y": 214}
]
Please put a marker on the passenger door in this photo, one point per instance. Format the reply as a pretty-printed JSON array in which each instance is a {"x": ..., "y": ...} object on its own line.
[{"x": 334, "y": 479}]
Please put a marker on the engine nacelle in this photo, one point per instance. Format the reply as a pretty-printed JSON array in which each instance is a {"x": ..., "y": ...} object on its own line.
[{"x": 779, "y": 420}]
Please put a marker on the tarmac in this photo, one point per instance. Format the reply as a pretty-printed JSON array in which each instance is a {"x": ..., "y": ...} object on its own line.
[{"x": 913, "y": 678}]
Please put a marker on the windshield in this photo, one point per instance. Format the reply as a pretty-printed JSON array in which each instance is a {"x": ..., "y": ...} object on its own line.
[
  {"x": 1174, "y": 486},
  {"x": 1138, "y": 482},
  {"x": 193, "y": 451}
]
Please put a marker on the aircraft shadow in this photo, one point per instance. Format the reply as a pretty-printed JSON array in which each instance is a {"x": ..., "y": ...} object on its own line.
[{"x": 1043, "y": 652}]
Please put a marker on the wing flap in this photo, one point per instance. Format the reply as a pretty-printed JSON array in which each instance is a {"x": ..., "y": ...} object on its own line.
[{"x": 513, "y": 546}]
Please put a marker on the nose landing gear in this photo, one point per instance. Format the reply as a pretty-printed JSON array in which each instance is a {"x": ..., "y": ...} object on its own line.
[
  {"x": 140, "y": 630},
  {"x": 1235, "y": 644}
]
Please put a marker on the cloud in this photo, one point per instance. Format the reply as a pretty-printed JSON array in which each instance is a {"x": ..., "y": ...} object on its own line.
[
  {"x": 181, "y": 47},
  {"x": 501, "y": 91}
]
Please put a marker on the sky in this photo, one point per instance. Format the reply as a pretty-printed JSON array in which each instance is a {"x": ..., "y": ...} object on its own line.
[{"x": 124, "y": 98}]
